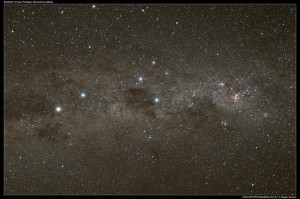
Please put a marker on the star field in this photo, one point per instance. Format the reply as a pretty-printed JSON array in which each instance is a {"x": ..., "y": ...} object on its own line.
[{"x": 149, "y": 99}]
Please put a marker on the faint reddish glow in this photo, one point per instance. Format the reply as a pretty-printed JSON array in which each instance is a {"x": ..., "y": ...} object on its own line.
[{"x": 236, "y": 97}]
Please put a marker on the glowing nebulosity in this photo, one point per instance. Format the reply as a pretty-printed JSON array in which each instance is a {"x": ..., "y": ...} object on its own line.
[{"x": 236, "y": 97}]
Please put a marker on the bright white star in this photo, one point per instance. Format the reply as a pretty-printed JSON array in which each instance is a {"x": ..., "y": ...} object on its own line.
[{"x": 58, "y": 109}]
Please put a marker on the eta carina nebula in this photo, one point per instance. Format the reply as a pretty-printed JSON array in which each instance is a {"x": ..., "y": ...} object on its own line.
[{"x": 149, "y": 99}]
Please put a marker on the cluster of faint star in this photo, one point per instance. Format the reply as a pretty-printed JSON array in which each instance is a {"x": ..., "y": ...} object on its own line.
[
  {"x": 236, "y": 97},
  {"x": 224, "y": 123}
]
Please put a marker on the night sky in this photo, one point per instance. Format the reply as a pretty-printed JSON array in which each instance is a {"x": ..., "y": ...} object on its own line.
[{"x": 149, "y": 99}]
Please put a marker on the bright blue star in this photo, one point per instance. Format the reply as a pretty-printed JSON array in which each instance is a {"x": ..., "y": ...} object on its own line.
[
  {"x": 156, "y": 100},
  {"x": 140, "y": 79},
  {"x": 167, "y": 73},
  {"x": 82, "y": 95}
]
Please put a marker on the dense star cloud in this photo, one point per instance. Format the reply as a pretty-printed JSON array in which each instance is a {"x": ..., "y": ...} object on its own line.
[{"x": 149, "y": 99}]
